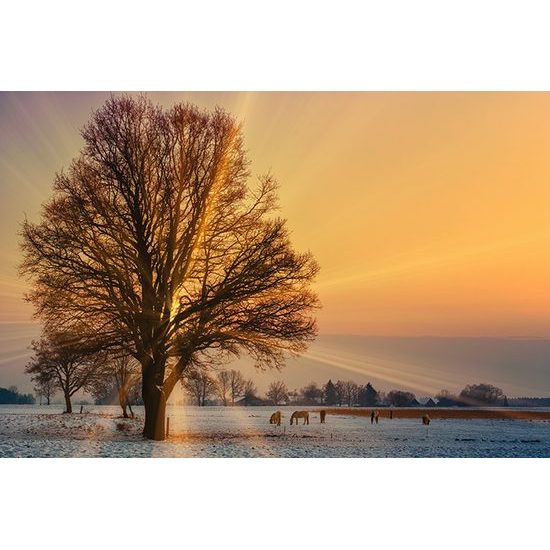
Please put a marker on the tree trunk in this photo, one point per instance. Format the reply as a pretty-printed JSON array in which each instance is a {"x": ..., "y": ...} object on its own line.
[
  {"x": 48, "y": 398},
  {"x": 155, "y": 405},
  {"x": 122, "y": 401},
  {"x": 68, "y": 404}
]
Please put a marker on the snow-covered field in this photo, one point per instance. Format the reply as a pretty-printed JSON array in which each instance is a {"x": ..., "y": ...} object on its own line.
[{"x": 41, "y": 431}]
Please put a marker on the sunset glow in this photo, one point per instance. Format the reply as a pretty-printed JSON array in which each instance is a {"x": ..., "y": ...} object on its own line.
[{"x": 427, "y": 212}]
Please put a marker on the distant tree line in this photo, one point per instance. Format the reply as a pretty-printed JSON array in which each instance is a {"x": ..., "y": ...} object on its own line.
[
  {"x": 227, "y": 387},
  {"x": 230, "y": 388},
  {"x": 64, "y": 364},
  {"x": 473, "y": 395},
  {"x": 529, "y": 401},
  {"x": 10, "y": 396}
]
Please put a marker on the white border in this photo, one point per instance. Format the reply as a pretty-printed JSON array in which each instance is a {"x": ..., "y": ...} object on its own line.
[
  {"x": 240, "y": 45},
  {"x": 266, "y": 503},
  {"x": 283, "y": 45}
]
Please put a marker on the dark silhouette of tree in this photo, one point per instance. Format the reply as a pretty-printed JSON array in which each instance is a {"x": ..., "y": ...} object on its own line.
[
  {"x": 68, "y": 359},
  {"x": 199, "y": 384},
  {"x": 329, "y": 394},
  {"x": 482, "y": 394},
  {"x": 277, "y": 392},
  {"x": 399, "y": 398},
  {"x": 350, "y": 390},
  {"x": 446, "y": 399},
  {"x": 154, "y": 242},
  {"x": 340, "y": 392},
  {"x": 249, "y": 390},
  {"x": 311, "y": 394},
  {"x": 236, "y": 385},
  {"x": 223, "y": 386},
  {"x": 367, "y": 396},
  {"x": 12, "y": 397},
  {"x": 45, "y": 385},
  {"x": 120, "y": 376}
]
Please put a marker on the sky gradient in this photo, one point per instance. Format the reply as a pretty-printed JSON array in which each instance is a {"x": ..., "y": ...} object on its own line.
[{"x": 427, "y": 212}]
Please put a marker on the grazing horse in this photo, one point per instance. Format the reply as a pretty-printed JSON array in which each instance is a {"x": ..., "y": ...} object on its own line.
[
  {"x": 322, "y": 414},
  {"x": 275, "y": 418},
  {"x": 426, "y": 420},
  {"x": 299, "y": 414}
]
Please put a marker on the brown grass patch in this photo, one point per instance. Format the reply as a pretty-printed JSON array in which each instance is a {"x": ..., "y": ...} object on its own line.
[{"x": 503, "y": 413}]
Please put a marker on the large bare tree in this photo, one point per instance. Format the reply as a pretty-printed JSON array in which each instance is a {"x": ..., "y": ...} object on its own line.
[{"x": 155, "y": 242}]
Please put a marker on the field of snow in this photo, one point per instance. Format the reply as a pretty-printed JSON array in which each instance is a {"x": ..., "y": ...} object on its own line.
[{"x": 42, "y": 431}]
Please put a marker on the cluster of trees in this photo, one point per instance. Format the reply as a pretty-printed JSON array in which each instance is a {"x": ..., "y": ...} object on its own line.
[
  {"x": 528, "y": 401},
  {"x": 63, "y": 361},
  {"x": 155, "y": 246},
  {"x": 10, "y": 396},
  {"x": 343, "y": 392},
  {"x": 227, "y": 386},
  {"x": 351, "y": 394},
  {"x": 477, "y": 395}
]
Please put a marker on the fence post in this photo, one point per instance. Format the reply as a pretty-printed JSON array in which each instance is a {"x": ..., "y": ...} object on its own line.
[{"x": 167, "y": 426}]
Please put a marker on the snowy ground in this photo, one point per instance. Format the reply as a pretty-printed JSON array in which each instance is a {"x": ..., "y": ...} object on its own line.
[{"x": 34, "y": 431}]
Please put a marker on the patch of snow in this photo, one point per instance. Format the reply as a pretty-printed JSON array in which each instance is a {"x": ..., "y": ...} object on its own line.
[{"x": 42, "y": 431}]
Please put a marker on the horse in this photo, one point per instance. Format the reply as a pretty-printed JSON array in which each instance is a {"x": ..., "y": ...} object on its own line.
[
  {"x": 322, "y": 414},
  {"x": 299, "y": 414},
  {"x": 426, "y": 420},
  {"x": 275, "y": 418}
]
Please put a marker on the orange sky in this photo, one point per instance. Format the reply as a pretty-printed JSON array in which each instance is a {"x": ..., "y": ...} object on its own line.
[{"x": 428, "y": 212}]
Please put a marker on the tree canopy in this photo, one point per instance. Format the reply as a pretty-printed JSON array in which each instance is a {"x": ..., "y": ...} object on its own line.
[{"x": 154, "y": 242}]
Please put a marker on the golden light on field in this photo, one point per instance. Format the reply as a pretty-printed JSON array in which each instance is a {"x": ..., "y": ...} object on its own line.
[{"x": 427, "y": 212}]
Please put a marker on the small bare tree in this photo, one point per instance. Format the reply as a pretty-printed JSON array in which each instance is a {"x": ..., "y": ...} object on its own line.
[
  {"x": 236, "y": 385},
  {"x": 351, "y": 390},
  {"x": 46, "y": 384},
  {"x": 66, "y": 358},
  {"x": 120, "y": 376},
  {"x": 277, "y": 392},
  {"x": 199, "y": 384},
  {"x": 223, "y": 386},
  {"x": 340, "y": 391},
  {"x": 311, "y": 393},
  {"x": 249, "y": 390}
]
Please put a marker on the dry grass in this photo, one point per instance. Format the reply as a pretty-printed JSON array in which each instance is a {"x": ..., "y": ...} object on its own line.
[{"x": 507, "y": 413}]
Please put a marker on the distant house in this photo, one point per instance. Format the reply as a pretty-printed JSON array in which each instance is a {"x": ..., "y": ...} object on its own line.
[
  {"x": 293, "y": 396},
  {"x": 250, "y": 402},
  {"x": 426, "y": 402}
]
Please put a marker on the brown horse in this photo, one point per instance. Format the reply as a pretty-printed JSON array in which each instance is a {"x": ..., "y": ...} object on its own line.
[
  {"x": 426, "y": 420},
  {"x": 299, "y": 414},
  {"x": 322, "y": 414},
  {"x": 275, "y": 418}
]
